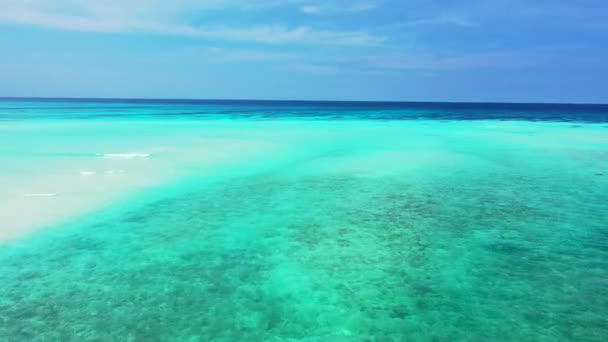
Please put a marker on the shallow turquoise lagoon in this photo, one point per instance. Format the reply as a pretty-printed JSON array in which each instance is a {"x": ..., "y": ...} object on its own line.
[{"x": 303, "y": 228}]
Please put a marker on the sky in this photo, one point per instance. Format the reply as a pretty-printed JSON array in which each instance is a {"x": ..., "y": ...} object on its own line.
[{"x": 399, "y": 50}]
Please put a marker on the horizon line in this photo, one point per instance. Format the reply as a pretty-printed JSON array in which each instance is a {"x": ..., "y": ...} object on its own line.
[{"x": 2, "y": 98}]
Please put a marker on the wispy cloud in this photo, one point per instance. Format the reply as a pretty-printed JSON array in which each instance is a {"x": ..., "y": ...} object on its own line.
[
  {"x": 329, "y": 7},
  {"x": 444, "y": 19},
  {"x": 273, "y": 34},
  {"x": 112, "y": 16},
  {"x": 218, "y": 54},
  {"x": 470, "y": 61},
  {"x": 311, "y": 9}
]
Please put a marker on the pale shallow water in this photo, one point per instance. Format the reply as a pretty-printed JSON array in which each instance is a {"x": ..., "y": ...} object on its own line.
[{"x": 323, "y": 228}]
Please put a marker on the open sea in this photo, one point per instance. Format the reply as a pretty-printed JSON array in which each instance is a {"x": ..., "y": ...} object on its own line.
[{"x": 179, "y": 220}]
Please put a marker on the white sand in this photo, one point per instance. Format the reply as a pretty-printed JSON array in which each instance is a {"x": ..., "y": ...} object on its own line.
[{"x": 37, "y": 192}]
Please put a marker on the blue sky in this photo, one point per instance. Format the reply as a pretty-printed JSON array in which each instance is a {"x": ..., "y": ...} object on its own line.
[{"x": 493, "y": 50}]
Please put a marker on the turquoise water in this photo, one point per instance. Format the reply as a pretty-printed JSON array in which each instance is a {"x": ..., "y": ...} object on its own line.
[{"x": 438, "y": 224}]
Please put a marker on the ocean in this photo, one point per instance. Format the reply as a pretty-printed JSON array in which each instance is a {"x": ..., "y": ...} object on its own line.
[{"x": 191, "y": 220}]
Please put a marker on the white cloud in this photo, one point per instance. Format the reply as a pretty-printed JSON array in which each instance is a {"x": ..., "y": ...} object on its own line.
[
  {"x": 330, "y": 7},
  {"x": 273, "y": 34},
  {"x": 444, "y": 19},
  {"x": 311, "y": 9},
  {"x": 167, "y": 18}
]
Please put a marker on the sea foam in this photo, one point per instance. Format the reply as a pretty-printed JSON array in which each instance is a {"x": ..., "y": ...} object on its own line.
[{"x": 43, "y": 194}]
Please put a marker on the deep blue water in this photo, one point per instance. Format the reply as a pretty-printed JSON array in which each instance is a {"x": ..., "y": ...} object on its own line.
[{"x": 28, "y": 108}]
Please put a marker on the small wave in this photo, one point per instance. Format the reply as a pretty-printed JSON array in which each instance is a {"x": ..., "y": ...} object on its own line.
[
  {"x": 42, "y": 194},
  {"x": 87, "y": 173},
  {"x": 126, "y": 155}
]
